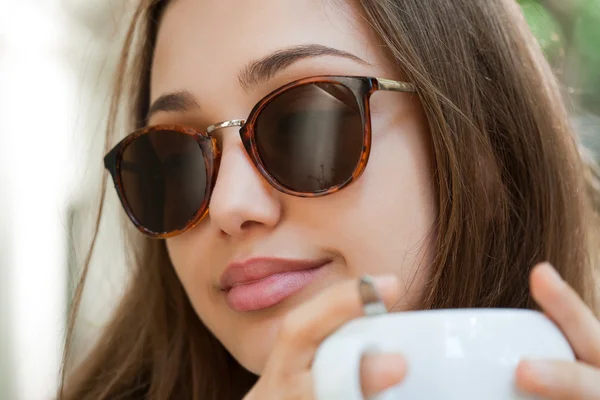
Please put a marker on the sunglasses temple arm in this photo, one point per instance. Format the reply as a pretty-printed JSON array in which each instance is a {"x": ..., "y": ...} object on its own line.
[{"x": 395, "y": 86}]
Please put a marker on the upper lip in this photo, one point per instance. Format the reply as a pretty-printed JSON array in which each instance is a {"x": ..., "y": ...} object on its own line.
[{"x": 255, "y": 269}]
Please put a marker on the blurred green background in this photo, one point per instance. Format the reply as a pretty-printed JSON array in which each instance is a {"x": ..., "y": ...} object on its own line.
[{"x": 569, "y": 33}]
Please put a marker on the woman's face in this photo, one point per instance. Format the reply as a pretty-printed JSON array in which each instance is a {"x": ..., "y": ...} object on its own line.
[{"x": 287, "y": 247}]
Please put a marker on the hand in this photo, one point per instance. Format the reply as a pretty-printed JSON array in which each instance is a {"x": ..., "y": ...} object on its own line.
[
  {"x": 559, "y": 380},
  {"x": 287, "y": 374}
]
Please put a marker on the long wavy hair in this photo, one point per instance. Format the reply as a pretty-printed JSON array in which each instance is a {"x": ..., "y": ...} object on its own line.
[{"x": 512, "y": 189}]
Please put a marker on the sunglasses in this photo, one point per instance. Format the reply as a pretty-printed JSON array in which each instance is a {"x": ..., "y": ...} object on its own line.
[{"x": 309, "y": 138}]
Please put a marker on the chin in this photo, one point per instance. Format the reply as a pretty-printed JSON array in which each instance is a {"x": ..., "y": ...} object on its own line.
[
  {"x": 253, "y": 347},
  {"x": 253, "y": 355}
]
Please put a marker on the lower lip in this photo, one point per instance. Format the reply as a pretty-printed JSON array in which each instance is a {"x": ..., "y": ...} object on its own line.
[{"x": 269, "y": 291}]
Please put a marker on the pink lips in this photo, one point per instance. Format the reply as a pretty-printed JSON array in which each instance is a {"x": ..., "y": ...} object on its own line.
[{"x": 260, "y": 283}]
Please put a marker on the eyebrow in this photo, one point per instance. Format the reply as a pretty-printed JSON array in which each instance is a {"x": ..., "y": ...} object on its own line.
[
  {"x": 253, "y": 74},
  {"x": 181, "y": 100},
  {"x": 265, "y": 68}
]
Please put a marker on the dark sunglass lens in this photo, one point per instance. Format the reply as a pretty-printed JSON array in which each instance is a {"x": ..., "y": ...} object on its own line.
[
  {"x": 164, "y": 180},
  {"x": 310, "y": 138}
]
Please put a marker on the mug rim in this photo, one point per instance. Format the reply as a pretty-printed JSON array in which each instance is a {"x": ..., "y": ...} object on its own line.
[{"x": 486, "y": 316}]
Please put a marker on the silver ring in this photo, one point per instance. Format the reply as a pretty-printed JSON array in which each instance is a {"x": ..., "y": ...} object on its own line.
[{"x": 371, "y": 300}]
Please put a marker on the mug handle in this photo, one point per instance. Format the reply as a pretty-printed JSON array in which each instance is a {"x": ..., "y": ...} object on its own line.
[{"x": 336, "y": 367}]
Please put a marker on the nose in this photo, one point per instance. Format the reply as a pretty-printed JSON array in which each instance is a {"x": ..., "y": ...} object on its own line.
[{"x": 241, "y": 199}]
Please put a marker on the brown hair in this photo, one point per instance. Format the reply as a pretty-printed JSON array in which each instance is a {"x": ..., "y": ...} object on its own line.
[{"x": 511, "y": 191}]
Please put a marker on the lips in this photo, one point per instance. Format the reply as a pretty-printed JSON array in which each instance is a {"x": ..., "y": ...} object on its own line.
[{"x": 260, "y": 283}]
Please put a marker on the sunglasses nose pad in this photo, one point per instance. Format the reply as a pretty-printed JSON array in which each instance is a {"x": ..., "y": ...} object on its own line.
[{"x": 216, "y": 162}]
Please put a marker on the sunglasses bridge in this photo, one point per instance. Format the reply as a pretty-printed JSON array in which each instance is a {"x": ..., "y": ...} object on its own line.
[{"x": 225, "y": 124}]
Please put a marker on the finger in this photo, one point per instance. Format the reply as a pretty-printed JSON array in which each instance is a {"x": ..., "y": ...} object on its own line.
[
  {"x": 564, "y": 306},
  {"x": 298, "y": 386},
  {"x": 380, "y": 372},
  {"x": 305, "y": 328},
  {"x": 559, "y": 380}
]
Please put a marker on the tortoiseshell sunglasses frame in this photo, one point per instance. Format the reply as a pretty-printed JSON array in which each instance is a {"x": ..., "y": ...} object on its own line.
[{"x": 361, "y": 87}]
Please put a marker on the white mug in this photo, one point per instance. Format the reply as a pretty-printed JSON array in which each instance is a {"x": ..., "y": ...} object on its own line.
[{"x": 459, "y": 354}]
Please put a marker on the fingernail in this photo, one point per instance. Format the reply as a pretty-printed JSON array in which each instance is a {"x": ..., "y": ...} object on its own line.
[
  {"x": 552, "y": 273},
  {"x": 541, "y": 372},
  {"x": 386, "y": 282},
  {"x": 392, "y": 363},
  {"x": 381, "y": 371}
]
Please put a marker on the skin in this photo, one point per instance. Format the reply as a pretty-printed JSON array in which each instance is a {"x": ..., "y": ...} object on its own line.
[
  {"x": 558, "y": 380},
  {"x": 379, "y": 225},
  {"x": 190, "y": 56}
]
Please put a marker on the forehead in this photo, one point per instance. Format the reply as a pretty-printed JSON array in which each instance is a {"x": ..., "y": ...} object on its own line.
[{"x": 203, "y": 44}]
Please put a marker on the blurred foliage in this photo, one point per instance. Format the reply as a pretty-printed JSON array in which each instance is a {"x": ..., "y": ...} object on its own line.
[
  {"x": 569, "y": 33},
  {"x": 545, "y": 27},
  {"x": 586, "y": 37}
]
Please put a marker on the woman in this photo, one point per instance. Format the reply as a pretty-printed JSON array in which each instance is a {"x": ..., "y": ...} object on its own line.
[{"x": 438, "y": 158}]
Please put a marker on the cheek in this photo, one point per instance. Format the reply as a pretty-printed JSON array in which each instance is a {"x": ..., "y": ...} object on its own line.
[
  {"x": 188, "y": 254},
  {"x": 399, "y": 183},
  {"x": 389, "y": 227}
]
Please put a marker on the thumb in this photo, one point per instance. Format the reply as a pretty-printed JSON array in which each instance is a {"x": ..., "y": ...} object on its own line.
[{"x": 381, "y": 371}]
